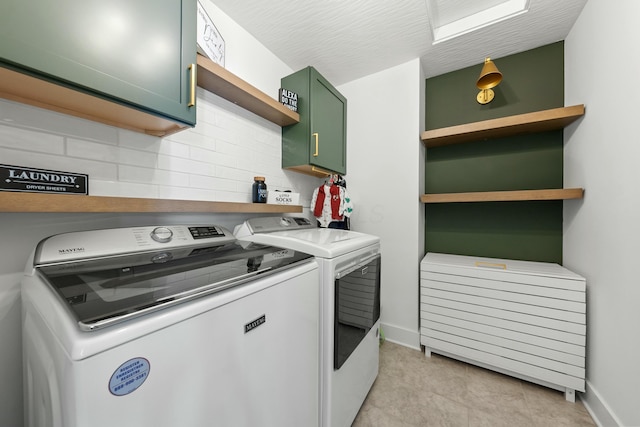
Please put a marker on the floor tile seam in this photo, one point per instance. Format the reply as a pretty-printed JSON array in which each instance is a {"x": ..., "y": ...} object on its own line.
[
  {"x": 455, "y": 401},
  {"x": 521, "y": 395},
  {"x": 527, "y": 403}
]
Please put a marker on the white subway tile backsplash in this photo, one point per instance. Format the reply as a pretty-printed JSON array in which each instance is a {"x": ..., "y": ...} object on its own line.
[
  {"x": 122, "y": 189},
  {"x": 227, "y": 148},
  {"x": 215, "y": 161},
  {"x": 173, "y": 148},
  {"x": 236, "y": 174},
  {"x": 194, "y": 136},
  {"x": 216, "y": 133},
  {"x": 264, "y": 136},
  {"x": 185, "y": 165},
  {"x": 171, "y": 145},
  {"x": 212, "y": 183},
  {"x": 203, "y": 155},
  {"x": 26, "y": 116},
  {"x": 241, "y": 197},
  {"x": 213, "y": 157},
  {"x": 265, "y": 164},
  {"x": 110, "y": 153},
  {"x": 225, "y": 114},
  {"x": 16, "y": 138},
  {"x": 138, "y": 141},
  {"x": 128, "y": 173},
  {"x": 186, "y": 193}
]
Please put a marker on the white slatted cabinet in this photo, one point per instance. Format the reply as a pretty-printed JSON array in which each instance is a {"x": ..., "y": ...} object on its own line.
[{"x": 524, "y": 319}]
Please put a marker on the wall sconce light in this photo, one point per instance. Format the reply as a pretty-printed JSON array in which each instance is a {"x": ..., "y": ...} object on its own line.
[{"x": 489, "y": 78}]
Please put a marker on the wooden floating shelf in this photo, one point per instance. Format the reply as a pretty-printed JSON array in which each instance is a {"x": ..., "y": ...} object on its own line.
[
  {"x": 218, "y": 80},
  {"x": 37, "y": 202},
  {"x": 40, "y": 93},
  {"x": 539, "y": 121},
  {"x": 504, "y": 196}
]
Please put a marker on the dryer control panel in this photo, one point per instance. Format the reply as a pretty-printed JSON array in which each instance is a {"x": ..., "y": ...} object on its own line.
[{"x": 272, "y": 223}]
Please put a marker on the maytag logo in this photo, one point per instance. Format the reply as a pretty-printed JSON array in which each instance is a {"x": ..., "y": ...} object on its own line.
[
  {"x": 17, "y": 178},
  {"x": 68, "y": 251},
  {"x": 254, "y": 324}
]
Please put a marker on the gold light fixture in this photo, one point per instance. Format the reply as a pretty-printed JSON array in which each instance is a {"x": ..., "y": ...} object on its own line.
[{"x": 489, "y": 78}]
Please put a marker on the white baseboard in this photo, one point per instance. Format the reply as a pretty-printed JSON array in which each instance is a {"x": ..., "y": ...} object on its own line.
[
  {"x": 598, "y": 409},
  {"x": 402, "y": 336}
]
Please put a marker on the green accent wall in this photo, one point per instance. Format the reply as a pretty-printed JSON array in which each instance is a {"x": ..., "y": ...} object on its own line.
[
  {"x": 513, "y": 230},
  {"x": 532, "y": 81}
]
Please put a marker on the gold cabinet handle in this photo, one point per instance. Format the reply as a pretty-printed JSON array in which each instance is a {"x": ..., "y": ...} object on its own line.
[
  {"x": 192, "y": 86},
  {"x": 315, "y": 135}
]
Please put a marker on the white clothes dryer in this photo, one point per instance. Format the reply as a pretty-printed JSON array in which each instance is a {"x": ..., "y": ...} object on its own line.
[{"x": 349, "y": 266}]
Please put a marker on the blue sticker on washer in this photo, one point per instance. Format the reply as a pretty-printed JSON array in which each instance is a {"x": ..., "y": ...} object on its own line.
[{"x": 129, "y": 376}]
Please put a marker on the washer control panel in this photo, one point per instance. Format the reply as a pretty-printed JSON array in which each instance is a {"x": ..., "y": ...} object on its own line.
[
  {"x": 162, "y": 234},
  {"x": 117, "y": 241},
  {"x": 206, "y": 232}
]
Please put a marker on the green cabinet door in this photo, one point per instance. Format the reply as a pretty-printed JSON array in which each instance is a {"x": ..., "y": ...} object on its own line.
[
  {"x": 318, "y": 142},
  {"x": 137, "y": 53}
]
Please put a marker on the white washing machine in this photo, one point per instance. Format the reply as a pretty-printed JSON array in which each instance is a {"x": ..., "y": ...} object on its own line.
[
  {"x": 350, "y": 318},
  {"x": 169, "y": 326}
]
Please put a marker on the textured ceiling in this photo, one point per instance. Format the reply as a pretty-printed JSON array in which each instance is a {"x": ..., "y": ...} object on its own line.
[{"x": 349, "y": 39}]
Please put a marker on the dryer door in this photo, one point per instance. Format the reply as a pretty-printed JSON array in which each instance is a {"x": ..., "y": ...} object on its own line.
[{"x": 357, "y": 307}]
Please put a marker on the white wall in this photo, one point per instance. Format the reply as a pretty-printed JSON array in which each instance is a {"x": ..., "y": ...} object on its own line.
[
  {"x": 385, "y": 165},
  {"x": 216, "y": 160},
  {"x": 602, "y": 151}
]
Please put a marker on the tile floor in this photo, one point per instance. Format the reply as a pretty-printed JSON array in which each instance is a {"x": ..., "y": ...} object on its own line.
[{"x": 412, "y": 390}]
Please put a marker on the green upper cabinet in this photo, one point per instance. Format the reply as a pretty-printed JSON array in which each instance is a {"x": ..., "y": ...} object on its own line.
[
  {"x": 317, "y": 145},
  {"x": 133, "y": 53}
]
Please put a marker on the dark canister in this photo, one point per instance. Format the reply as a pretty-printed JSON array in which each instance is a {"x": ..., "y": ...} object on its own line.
[{"x": 259, "y": 193}]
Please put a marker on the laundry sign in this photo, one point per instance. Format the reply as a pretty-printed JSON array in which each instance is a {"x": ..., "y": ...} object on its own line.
[{"x": 23, "y": 179}]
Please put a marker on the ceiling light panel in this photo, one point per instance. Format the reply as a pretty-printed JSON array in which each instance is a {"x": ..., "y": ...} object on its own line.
[{"x": 453, "y": 18}]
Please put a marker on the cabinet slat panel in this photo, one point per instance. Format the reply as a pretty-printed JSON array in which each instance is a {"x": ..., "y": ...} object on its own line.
[
  {"x": 551, "y": 281},
  {"x": 535, "y": 300},
  {"x": 558, "y": 292},
  {"x": 551, "y": 313},
  {"x": 566, "y": 341},
  {"x": 553, "y": 359},
  {"x": 530, "y": 360},
  {"x": 553, "y": 377},
  {"x": 503, "y": 329},
  {"x": 461, "y": 307}
]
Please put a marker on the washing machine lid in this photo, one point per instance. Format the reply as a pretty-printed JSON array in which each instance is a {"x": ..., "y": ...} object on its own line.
[
  {"x": 101, "y": 291},
  {"x": 300, "y": 235}
]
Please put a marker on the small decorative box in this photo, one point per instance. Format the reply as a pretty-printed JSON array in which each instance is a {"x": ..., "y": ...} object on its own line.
[{"x": 283, "y": 198}]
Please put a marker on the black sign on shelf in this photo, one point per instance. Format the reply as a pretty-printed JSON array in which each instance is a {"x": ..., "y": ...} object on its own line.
[
  {"x": 31, "y": 180},
  {"x": 288, "y": 99}
]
